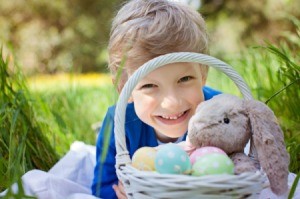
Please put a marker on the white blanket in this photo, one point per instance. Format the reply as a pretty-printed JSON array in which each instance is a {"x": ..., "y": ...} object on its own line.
[{"x": 72, "y": 176}]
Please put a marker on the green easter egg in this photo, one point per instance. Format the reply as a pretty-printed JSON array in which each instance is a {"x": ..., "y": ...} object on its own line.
[{"x": 212, "y": 164}]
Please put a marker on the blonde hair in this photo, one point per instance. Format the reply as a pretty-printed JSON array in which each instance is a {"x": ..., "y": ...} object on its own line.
[{"x": 144, "y": 29}]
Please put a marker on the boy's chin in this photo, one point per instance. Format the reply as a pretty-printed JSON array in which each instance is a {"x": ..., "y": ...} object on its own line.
[{"x": 165, "y": 138}]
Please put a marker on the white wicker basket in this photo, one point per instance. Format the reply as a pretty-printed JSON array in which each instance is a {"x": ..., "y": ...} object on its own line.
[{"x": 145, "y": 184}]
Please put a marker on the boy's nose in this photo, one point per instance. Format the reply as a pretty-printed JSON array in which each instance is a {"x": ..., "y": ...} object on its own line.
[{"x": 171, "y": 102}]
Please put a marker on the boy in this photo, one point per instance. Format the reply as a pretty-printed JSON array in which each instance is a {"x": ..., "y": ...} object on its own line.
[{"x": 163, "y": 101}]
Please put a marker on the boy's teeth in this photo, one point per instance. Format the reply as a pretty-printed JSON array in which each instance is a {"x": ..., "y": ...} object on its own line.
[{"x": 172, "y": 117}]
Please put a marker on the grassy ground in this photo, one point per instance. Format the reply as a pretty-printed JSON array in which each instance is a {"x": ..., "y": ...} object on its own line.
[{"x": 80, "y": 103}]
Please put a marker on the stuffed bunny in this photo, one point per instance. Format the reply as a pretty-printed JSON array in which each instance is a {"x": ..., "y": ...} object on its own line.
[{"x": 228, "y": 122}]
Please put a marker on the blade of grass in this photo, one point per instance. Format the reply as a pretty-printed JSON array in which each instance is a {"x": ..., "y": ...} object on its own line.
[
  {"x": 294, "y": 186},
  {"x": 280, "y": 91}
]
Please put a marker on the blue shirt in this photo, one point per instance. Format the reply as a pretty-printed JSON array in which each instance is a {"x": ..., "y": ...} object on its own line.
[{"x": 138, "y": 134}]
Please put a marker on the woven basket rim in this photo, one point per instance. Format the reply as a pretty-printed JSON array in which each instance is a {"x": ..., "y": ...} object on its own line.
[
  {"x": 122, "y": 157},
  {"x": 138, "y": 183},
  {"x": 144, "y": 184},
  {"x": 130, "y": 169}
]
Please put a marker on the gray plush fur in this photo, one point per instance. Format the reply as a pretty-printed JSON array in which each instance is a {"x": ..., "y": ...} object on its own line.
[{"x": 228, "y": 122}]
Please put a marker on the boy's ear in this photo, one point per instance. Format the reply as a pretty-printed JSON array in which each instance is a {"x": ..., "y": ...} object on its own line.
[
  {"x": 130, "y": 99},
  {"x": 203, "y": 81},
  {"x": 204, "y": 74},
  {"x": 204, "y": 77}
]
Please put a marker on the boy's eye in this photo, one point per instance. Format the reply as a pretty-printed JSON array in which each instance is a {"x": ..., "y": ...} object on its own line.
[
  {"x": 145, "y": 86},
  {"x": 185, "y": 79}
]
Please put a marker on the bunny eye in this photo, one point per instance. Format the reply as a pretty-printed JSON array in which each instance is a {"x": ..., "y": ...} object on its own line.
[{"x": 226, "y": 120}]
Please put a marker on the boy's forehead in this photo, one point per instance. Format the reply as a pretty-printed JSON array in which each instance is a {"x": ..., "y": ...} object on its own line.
[{"x": 178, "y": 68}]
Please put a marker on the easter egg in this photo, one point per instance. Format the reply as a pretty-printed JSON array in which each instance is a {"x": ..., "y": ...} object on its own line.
[
  {"x": 172, "y": 159},
  {"x": 204, "y": 151},
  {"x": 212, "y": 164},
  {"x": 144, "y": 158}
]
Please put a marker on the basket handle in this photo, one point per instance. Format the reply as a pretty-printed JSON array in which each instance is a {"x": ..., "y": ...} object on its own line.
[{"x": 122, "y": 157}]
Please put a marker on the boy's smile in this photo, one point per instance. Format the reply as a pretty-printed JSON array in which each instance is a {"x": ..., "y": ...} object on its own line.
[
  {"x": 172, "y": 119},
  {"x": 167, "y": 98}
]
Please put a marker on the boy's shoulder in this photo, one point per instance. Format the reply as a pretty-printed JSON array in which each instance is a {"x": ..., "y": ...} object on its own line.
[
  {"x": 209, "y": 92},
  {"x": 138, "y": 133},
  {"x": 130, "y": 113}
]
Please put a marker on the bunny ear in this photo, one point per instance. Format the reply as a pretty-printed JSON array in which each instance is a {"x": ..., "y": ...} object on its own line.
[{"x": 269, "y": 143}]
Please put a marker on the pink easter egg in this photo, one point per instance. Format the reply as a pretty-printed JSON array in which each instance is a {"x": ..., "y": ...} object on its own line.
[{"x": 204, "y": 151}]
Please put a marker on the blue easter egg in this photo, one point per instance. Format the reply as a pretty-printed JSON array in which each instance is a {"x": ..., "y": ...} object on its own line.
[{"x": 172, "y": 159}]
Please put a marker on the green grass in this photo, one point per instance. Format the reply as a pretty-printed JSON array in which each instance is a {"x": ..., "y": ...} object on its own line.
[
  {"x": 23, "y": 138},
  {"x": 76, "y": 112},
  {"x": 39, "y": 125}
]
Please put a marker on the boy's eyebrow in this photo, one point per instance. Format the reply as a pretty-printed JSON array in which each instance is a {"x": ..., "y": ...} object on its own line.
[
  {"x": 146, "y": 79},
  {"x": 186, "y": 70}
]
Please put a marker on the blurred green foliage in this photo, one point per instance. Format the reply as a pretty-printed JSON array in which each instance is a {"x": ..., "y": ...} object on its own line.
[
  {"x": 235, "y": 25},
  {"x": 53, "y": 36}
]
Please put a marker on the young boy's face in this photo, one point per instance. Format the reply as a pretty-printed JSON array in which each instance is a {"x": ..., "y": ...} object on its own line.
[{"x": 167, "y": 98}]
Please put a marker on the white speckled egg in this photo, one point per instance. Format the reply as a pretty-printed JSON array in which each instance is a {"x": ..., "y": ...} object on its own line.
[
  {"x": 143, "y": 159},
  {"x": 172, "y": 159},
  {"x": 198, "y": 153},
  {"x": 211, "y": 164}
]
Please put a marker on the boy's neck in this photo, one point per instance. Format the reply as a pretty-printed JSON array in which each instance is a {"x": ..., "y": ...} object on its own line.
[{"x": 167, "y": 140}]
